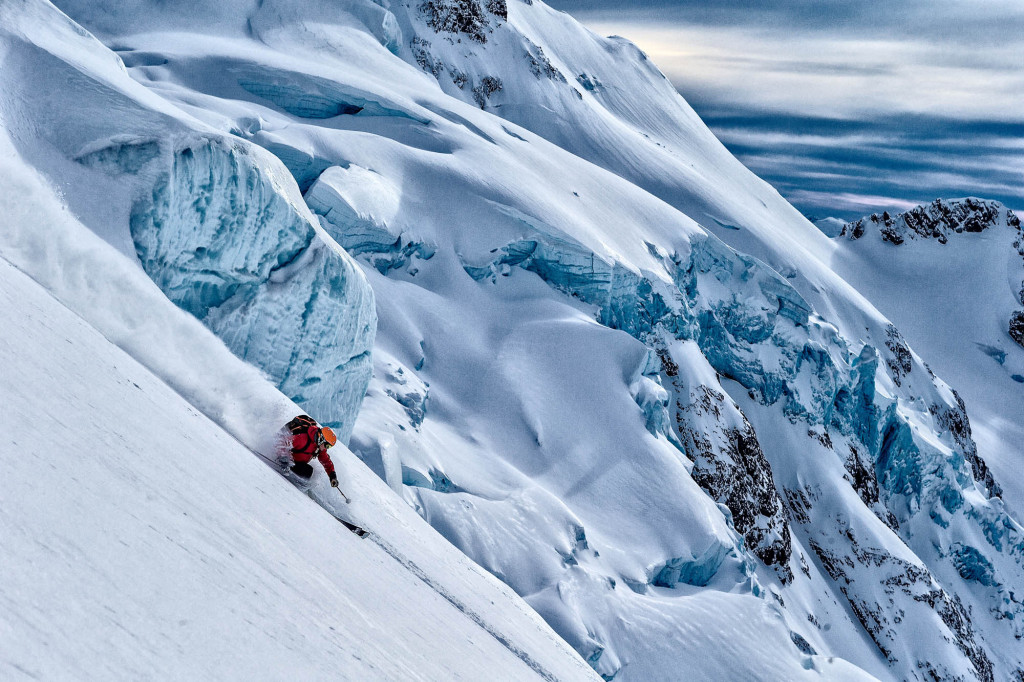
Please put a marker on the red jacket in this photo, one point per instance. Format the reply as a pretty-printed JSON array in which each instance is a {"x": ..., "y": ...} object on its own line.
[{"x": 305, "y": 447}]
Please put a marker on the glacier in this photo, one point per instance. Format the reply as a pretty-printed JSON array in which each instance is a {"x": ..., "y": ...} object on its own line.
[{"x": 599, "y": 357}]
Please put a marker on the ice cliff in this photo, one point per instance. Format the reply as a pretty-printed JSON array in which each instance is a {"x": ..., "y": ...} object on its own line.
[{"x": 223, "y": 243}]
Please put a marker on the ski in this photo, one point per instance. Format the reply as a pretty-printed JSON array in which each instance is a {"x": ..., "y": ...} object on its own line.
[{"x": 360, "y": 532}]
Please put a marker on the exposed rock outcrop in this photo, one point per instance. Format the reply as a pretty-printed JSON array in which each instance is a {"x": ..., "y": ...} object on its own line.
[{"x": 937, "y": 220}]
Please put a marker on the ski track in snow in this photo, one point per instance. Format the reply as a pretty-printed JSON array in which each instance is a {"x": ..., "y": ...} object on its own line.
[{"x": 505, "y": 641}]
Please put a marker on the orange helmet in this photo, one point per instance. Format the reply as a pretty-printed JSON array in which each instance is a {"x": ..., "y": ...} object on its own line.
[{"x": 328, "y": 435}]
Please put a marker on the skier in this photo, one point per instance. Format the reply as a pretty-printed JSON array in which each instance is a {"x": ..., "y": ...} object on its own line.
[{"x": 300, "y": 441}]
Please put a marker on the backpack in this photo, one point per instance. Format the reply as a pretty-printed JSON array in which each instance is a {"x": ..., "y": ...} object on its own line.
[{"x": 299, "y": 425}]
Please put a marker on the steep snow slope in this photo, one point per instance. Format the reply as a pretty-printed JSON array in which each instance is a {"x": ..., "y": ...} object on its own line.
[
  {"x": 563, "y": 355},
  {"x": 603, "y": 100},
  {"x": 951, "y": 275},
  {"x": 147, "y": 543},
  {"x": 143, "y": 540}
]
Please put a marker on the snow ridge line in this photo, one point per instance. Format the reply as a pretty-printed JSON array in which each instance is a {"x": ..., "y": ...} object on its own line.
[{"x": 425, "y": 578}]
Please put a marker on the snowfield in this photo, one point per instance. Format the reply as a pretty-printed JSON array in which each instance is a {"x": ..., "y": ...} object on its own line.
[{"x": 612, "y": 406}]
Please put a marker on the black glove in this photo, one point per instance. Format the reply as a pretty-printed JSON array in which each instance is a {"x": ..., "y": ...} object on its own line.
[{"x": 334, "y": 480}]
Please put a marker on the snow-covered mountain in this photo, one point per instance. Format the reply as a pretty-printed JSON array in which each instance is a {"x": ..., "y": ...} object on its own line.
[
  {"x": 610, "y": 365},
  {"x": 950, "y": 274}
]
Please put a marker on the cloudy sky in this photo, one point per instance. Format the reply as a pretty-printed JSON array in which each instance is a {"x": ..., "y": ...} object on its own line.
[{"x": 847, "y": 107}]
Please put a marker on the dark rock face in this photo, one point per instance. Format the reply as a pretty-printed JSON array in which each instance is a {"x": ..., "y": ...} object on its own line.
[
  {"x": 958, "y": 621},
  {"x": 541, "y": 66},
  {"x": 899, "y": 361},
  {"x": 802, "y": 644},
  {"x": 498, "y": 8},
  {"x": 730, "y": 466},
  {"x": 901, "y": 577},
  {"x": 956, "y": 422},
  {"x": 751, "y": 495},
  {"x": 487, "y": 87},
  {"x": 1016, "y": 328},
  {"x": 937, "y": 220},
  {"x": 861, "y": 475},
  {"x": 427, "y": 61},
  {"x": 466, "y": 17},
  {"x": 421, "y": 50}
]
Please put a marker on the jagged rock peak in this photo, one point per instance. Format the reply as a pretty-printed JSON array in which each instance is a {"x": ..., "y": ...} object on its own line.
[
  {"x": 937, "y": 220},
  {"x": 941, "y": 219}
]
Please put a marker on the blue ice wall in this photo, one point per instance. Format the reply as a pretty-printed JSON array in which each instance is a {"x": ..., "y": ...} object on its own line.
[{"x": 221, "y": 239}]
